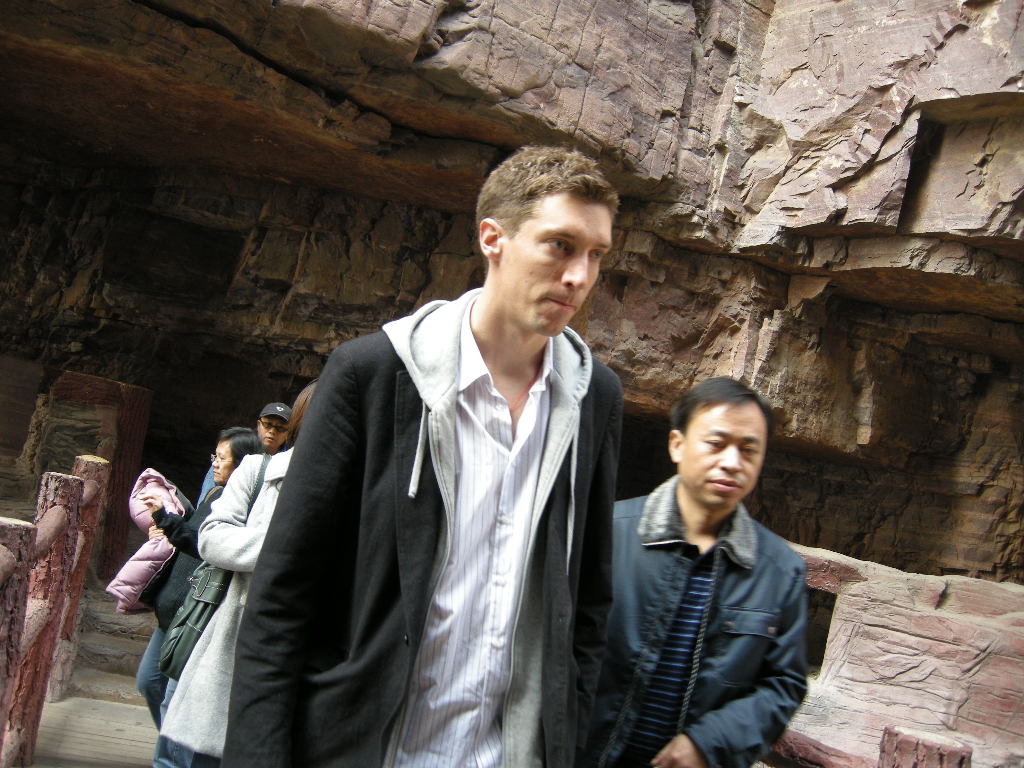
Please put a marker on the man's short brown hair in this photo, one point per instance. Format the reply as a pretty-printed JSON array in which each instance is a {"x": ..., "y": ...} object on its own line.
[{"x": 512, "y": 190}]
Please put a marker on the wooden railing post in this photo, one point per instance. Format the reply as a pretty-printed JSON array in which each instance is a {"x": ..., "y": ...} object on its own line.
[
  {"x": 96, "y": 474},
  {"x": 132, "y": 421},
  {"x": 52, "y": 562},
  {"x": 16, "y": 539}
]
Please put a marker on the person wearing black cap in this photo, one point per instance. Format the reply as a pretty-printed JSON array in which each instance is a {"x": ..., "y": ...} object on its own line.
[
  {"x": 272, "y": 426},
  {"x": 272, "y": 430}
]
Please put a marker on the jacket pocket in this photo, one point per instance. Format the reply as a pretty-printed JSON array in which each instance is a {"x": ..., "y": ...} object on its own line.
[
  {"x": 745, "y": 621},
  {"x": 742, "y": 639}
]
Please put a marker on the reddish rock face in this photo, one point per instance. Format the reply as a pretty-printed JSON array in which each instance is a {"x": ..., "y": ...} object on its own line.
[
  {"x": 822, "y": 198},
  {"x": 855, "y": 168}
]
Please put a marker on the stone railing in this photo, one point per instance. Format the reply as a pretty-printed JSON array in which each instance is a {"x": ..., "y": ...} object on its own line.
[
  {"x": 42, "y": 573},
  {"x": 917, "y": 671}
]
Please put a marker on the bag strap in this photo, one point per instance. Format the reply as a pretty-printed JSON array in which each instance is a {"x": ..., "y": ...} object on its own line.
[{"x": 255, "y": 492}]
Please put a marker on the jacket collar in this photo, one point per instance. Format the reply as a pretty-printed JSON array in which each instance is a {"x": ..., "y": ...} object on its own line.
[
  {"x": 661, "y": 524},
  {"x": 277, "y": 467},
  {"x": 427, "y": 342}
]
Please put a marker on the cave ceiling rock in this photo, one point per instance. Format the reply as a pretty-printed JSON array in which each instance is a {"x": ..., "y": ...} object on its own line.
[
  {"x": 153, "y": 89},
  {"x": 824, "y": 200},
  {"x": 736, "y": 121}
]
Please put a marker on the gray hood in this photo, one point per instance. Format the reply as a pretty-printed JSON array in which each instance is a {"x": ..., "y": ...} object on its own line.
[{"x": 427, "y": 342}]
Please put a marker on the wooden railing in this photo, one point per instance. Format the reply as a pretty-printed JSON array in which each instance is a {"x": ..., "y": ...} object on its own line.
[{"x": 42, "y": 574}]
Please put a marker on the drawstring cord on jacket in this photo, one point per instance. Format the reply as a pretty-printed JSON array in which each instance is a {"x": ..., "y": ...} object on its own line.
[
  {"x": 571, "y": 514},
  {"x": 417, "y": 464}
]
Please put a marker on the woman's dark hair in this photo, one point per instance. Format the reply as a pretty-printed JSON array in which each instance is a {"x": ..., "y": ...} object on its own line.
[
  {"x": 242, "y": 442},
  {"x": 720, "y": 389},
  {"x": 299, "y": 410}
]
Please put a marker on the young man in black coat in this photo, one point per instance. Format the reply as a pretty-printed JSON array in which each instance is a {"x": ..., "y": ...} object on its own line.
[{"x": 434, "y": 585}]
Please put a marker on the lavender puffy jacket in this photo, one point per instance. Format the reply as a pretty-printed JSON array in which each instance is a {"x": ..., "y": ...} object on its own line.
[{"x": 147, "y": 561}]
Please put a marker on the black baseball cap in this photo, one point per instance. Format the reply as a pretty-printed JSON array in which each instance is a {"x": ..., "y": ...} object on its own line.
[{"x": 280, "y": 410}]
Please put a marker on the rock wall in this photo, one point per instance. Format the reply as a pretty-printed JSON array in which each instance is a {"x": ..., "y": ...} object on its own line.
[{"x": 824, "y": 198}]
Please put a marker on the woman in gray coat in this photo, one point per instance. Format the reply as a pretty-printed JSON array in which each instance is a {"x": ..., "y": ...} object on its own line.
[{"x": 198, "y": 714}]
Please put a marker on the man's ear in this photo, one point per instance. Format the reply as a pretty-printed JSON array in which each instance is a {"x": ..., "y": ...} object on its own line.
[
  {"x": 490, "y": 235},
  {"x": 675, "y": 445}
]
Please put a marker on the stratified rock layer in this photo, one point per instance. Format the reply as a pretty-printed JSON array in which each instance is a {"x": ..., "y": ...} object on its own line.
[{"x": 821, "y": 198}]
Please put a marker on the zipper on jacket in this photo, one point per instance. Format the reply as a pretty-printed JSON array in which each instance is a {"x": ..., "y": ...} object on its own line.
[
  {"x": 698, "y": 648},
  {"x": 535, "y": 527},
  {"x": 627, "y": 704},
  {"x": 515, "y": 628},
  {"x": 446, "y": 502}
]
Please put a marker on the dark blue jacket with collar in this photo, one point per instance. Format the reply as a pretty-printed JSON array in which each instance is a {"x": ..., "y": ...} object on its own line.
[{"x": 749, "y": 661}]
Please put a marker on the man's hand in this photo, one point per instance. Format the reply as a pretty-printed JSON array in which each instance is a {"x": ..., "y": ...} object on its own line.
[{"x": 679, "y": 753}]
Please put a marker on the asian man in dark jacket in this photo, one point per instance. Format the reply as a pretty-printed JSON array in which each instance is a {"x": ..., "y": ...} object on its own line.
[{"x": 705, "y": 662}]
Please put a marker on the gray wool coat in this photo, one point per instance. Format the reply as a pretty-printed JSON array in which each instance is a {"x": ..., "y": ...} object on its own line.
[{"x": 198, "y": 714}]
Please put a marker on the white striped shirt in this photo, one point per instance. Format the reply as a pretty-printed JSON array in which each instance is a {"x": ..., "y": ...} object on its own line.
[{"x": 453, "y": 716}]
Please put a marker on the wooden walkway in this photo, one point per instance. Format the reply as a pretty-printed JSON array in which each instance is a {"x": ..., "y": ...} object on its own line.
[{"x": 88, "y": 733}]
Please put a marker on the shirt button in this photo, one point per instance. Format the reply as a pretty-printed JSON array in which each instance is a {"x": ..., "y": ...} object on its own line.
[{"x": 729, "y": 625}]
